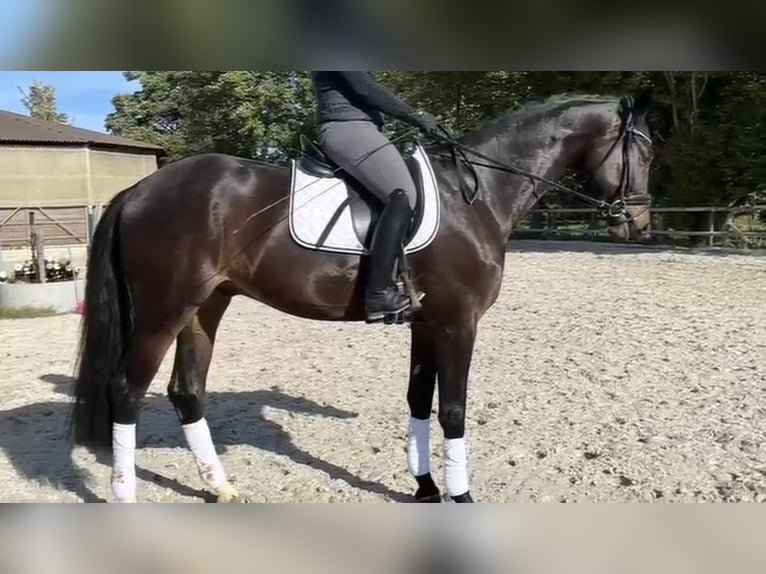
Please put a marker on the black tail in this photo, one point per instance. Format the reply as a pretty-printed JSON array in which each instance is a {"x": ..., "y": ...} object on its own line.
[{"x": 106, "y": 326}]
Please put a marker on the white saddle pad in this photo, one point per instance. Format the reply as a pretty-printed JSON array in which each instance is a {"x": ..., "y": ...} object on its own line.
[{"x": 315, "y": 201}]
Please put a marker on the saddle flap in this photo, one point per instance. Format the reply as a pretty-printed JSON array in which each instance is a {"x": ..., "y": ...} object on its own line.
[{"x": 417, "y": 177}]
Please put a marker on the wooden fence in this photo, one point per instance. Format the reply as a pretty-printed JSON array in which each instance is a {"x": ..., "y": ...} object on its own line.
[
  {"x": 720, "y": 223},
  {"x": 65, "y": 225},
  {"x": 69, "y": 225}
]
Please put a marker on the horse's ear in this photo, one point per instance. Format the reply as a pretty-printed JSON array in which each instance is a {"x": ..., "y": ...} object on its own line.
[{"x": 626, "y": 108}]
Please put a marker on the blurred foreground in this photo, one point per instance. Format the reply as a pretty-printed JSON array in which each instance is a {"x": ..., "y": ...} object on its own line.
[{"x": 391, "y": 539}]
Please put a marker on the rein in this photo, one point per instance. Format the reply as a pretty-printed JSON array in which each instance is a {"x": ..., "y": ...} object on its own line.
[
  {"x": 613, "y": 210},
  {"x": 616, "y": 210}
]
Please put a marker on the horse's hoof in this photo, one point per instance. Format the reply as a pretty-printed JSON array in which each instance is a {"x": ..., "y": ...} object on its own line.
[
  {"x": 433, "y": 498},
  {"x": 427, "y": 489},
  {"x": 235, "y": 500},
  {"x": 228, "y": 495},
  {"x": 463, "y": 498}
]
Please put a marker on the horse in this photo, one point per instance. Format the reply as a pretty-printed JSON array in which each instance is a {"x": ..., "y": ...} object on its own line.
[{"x": 170, "y": 252}]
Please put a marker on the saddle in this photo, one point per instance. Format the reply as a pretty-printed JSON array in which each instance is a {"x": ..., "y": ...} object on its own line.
[
  {"x": 364, "y": 206},
  {"x": 365, "y": 209}
]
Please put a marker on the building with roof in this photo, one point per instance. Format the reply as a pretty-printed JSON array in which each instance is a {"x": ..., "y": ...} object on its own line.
[
  {"x": 47, "y": 164},
  {"x": 52, "y": 175}
]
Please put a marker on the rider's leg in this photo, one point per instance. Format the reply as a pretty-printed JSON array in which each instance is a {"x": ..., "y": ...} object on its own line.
[
  {"x": 381, "y": 295},
  {"x": 368, "y": 156}
]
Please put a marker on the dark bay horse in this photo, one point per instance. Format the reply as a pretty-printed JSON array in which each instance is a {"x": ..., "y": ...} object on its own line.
[{"x": 170, "y": 252}]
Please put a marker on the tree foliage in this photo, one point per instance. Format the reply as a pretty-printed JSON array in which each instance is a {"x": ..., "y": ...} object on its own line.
[
  {"x": 40, "y": 100},
  {"x": 250, "y": 114},
  {"x": 710, "y": 128}
]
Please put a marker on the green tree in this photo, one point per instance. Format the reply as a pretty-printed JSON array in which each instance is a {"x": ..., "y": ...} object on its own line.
[
  {"x": 460, "y": 99},
  {"x": 710, "y": 128},
  {"x": 250, "y": 114},
  {"x": 40, "y": 100}
]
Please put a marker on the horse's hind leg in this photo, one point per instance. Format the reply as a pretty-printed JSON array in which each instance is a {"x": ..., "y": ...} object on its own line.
[
  {"x": 194, "y": 351},
  {"x": 146, "y": 351},
  {"x": 420, "y": 396}
]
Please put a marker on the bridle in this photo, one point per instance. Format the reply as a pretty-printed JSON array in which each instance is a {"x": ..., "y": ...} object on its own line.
[
  {"x": 615, "y": 212},
  {"x": 618, "y": 211}
]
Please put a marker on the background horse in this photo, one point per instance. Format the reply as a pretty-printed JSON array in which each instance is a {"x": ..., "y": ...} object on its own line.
[{"x": 170, "y": 252}]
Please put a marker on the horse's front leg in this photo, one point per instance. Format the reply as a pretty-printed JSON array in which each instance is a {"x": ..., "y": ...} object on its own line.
[
  {"x": 454, "y": 351},
  {"x": 420, "y": 396}
]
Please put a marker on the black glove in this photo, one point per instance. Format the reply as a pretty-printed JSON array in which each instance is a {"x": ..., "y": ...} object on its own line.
[{"x": 427, "y": 123}]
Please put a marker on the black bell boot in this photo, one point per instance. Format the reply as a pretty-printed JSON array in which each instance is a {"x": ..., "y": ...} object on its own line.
[{"x": 381, "y": 295}]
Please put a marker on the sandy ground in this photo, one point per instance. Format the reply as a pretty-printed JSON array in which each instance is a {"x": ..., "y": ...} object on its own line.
[{"x": 601, "y": 374}]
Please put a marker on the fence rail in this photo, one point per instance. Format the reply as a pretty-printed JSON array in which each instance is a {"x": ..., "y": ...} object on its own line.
[
  {"x": 716, "y": 229},
  {"x": 60, "y": 225},
  {"x": 67, "y": 225}
]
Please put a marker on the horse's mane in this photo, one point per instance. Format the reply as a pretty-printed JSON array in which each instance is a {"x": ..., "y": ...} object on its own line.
[{"x": 535, "y": 111}]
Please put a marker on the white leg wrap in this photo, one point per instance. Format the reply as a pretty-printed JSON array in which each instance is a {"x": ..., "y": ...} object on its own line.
[
  {"x": 455, "y": 466},
  {"x": 124, "y": 462},
  {"x": 418, "y": 436},
  {"x": 201, "y": 445}
]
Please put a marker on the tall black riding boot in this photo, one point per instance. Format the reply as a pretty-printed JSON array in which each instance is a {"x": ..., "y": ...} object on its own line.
[{"x": 381, "y": 296}]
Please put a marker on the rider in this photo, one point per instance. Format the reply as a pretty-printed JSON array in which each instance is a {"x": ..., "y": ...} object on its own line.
[{"x": 350, "y": 108}]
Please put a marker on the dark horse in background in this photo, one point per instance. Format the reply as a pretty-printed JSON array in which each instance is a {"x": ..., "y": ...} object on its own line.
[{"x": 170, "y": 252}]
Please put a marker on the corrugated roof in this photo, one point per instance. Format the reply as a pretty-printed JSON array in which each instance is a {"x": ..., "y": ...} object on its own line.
[{"x": 19, "y": 129}]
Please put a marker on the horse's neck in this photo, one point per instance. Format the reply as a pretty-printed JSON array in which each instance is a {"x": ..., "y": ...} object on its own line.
[
  {"x": 509, "y": 196},
  {"x": 539, "y": 149}
]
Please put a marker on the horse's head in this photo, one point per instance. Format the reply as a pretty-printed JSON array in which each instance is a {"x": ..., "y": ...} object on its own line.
[{"x": 618, "y": 163}]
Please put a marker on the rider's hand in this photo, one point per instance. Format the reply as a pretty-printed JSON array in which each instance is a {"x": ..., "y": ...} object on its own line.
[{"x": 428, "y": 123}]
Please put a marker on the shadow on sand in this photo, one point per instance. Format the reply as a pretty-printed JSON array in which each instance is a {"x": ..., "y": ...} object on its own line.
[{"x": 35, "y": 440}]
